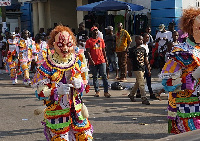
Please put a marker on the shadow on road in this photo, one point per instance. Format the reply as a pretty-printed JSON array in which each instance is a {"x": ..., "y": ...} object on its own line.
[
  {"x": 20, "y": 132},
  {"x": 126, "y": 136}
]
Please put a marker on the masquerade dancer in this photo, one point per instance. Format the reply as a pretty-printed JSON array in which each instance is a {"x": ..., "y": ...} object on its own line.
[
  {"x": 181, "y": 75},
  {"x": 60, "y": 82}
]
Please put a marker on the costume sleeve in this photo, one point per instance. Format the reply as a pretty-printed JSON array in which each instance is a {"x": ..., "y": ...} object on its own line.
[
  {"x": 83, "y": 67},
  {"x": 41, "y": 82},
  {"x": 171, "y": 72}
]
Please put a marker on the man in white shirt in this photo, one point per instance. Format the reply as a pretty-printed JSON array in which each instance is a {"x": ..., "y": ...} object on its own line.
[
  {"x": 162, "y": 37},
  {"x": 146, "y": 74}
]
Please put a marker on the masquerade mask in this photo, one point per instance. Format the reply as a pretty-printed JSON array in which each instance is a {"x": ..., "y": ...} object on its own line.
[
  {"x": 61, "y": 44},
  {"x": 64, "y": 39}
]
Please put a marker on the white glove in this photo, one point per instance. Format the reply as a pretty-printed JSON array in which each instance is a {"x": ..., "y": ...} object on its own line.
[
  {"x": 77, "y": 83},
  {"x": 46, "y": 91},
  {"x": 84, "y": 69},
  {"x": 64, "y": 89},
  {"x": 196, "y": 73}
]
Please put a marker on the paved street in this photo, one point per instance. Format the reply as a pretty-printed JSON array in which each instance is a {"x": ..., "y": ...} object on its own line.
[{"x": 114, "y": 119}]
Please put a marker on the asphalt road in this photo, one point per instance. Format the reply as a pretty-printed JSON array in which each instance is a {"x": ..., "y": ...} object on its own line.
[{"x": 113, "y": 119}]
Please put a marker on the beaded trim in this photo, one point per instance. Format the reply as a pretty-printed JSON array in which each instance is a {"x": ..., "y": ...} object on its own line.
[
  {"x": 54, "y": 62},
  {"x": 56, "y": 126}
]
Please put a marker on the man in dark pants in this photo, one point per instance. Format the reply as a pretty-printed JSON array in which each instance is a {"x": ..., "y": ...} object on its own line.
[
  {"x": 123, "y": 41},
  {"x": 146, "y": 73}
]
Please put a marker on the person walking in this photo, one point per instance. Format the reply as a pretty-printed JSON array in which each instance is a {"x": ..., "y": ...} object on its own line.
[
  {"x": 95, "y": 47},
  {"x": 146, "y": 74},
  {"x": 137, "y": 59},
  {"x": 162, "y": 37},
  {"x": 123, "y": 41},
  {"x": 110, "y": 41},
  {"x": 26, "y": 51},
  {"x": 12, "y": 56},
  {"x": 60, "y": 85}
]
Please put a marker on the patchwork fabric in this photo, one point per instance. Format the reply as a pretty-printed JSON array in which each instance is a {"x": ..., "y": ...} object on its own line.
[
  {"x": 183, "y": 104},
  {"x": 186, "y": 108}
]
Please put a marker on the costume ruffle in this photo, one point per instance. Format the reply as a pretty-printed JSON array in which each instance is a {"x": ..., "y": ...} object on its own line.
[{"x": 183, "y": 101}]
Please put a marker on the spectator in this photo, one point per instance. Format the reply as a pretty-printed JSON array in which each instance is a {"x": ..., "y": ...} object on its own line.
[
  {"x": 95, "y": 47},
  {"x": 110, "y": 41},
  {"x": 162, "y": 37},
  {"x": 171, "y": 29},
  {"x": 2, "y": 53},
  {"x": 100, "y": 34},
  {"x": 41, "y": 34},
  {"x": 17, "y": 33},
  {"x": 82, "y": 36},
  {"x": 148, "y": 31},
  {"x": 137, "y": 59},
  {"x": 146, "y": 73},
  {"x": 123, "y": 41},
  {"x": 48, "y": 33},
  {"x": 150, "y": 42}
]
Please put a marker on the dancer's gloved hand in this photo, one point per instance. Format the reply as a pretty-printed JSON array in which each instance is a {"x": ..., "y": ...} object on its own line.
[
  {"x": 77, "y": 82},
  {"x": 64, "y": 89},
  {"x": 84, "y": 69}
]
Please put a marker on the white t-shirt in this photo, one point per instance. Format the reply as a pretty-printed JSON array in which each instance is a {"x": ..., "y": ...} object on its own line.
[
  {"x": 146, "y": 48},
  {"x": 100, "y": 34},
  {"x": 161, "y": 36},
  {"x": 169, "y": 36}
]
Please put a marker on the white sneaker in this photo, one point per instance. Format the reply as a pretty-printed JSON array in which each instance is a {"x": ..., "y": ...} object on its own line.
[
  {"x": 16, "y": 81},
  {"x": 13, "y": 82}
]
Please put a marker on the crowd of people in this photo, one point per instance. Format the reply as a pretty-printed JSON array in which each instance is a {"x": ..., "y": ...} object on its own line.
[
  {"x": 60, "y": 61},
  {"x": 21, "y": 54}
]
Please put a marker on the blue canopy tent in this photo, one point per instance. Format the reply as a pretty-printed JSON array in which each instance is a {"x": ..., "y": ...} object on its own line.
[{"x": 110, "y": 5}]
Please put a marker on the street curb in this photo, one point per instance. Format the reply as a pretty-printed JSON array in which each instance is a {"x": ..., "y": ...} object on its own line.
[{"x": 187, "y": 136}]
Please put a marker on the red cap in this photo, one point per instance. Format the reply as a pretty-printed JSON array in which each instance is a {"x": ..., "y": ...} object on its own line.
[{"x": 93, "y": 28}]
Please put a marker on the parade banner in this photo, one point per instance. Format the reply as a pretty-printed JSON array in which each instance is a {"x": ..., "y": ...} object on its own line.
[{"x": 5, "y": 2}]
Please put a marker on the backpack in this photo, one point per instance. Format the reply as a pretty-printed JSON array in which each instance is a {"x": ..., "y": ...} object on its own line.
[{"x": 116, "y": 86}]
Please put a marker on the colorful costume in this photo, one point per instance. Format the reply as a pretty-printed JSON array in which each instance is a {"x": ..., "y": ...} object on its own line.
[
  {"x": 41, "y": 52},
  {"x": 12, "y": 58},
  {"x": 60, "y": 82},
  {"x": 178, "y": 80},
  {"x": 26, "y": 52}
]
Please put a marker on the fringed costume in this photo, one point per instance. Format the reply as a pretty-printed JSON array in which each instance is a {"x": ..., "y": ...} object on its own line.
[
  {"x": 41, "y": 49},
  {"x": 178, "y": 80},
  {"x": 60, "y": 83},
  {"x": 27, "y": 51},
  {"x": 12, "y": 58}
]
